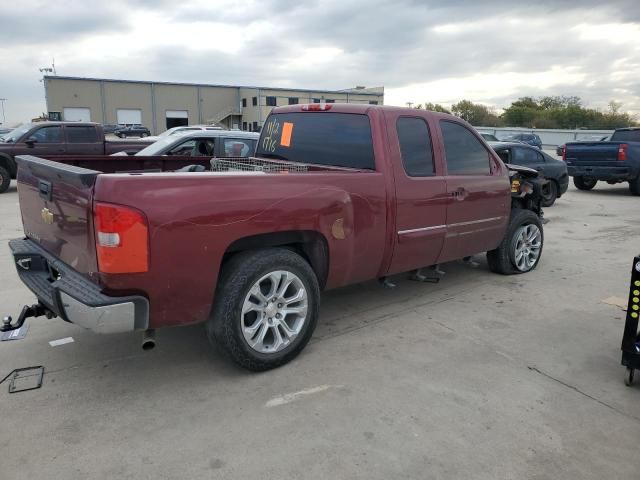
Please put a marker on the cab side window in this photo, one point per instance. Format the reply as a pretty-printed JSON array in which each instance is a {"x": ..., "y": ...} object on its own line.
[
  {"x": 47, "y": 135},
  {"x": 415, "y": 147},
  {"x": 526, "y": 156},
  {"x": 464, "y": 153}
]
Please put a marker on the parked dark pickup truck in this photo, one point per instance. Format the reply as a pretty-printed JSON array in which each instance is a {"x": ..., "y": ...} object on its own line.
[
  {"x": 615, "y": 161},
  {"x": 56, "y": 138},
  {"x": 337, "y": 194}
]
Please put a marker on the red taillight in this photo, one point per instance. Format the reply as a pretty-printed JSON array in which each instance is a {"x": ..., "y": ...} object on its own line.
[
  {"x": 622, "y": 152},
  {"x": 564, "y": 153},
  {"x": 316, "y": 107},
  {"x": 122, "y": 239}
]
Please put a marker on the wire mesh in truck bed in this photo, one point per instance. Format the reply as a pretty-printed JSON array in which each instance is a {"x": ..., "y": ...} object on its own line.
[{"x": 255, "y": 165}]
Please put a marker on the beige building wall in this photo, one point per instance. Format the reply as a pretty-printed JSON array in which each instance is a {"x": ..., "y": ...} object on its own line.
[
  {"x": 216, "y": 101},
  {"x": 175, "y": 97},
  {"x": 63, "y": 94},
  {"x": 204, "y": 103},
  {"x": 134, "y": 96}
]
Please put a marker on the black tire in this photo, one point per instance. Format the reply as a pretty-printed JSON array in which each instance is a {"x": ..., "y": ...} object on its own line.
[
  {"x": 239, "y": 275},
  {"x": 549, "y": 193},
  {"x": 502, "y": 259},
  {"x": 5, "y": 179},
  {"x": 143, "y": 135},
  {"x": 584, "y": 183},
  {"x": 634, "y": 186}
]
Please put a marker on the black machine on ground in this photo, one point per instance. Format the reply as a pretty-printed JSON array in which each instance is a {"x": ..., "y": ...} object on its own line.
[{"x": 631, "y": 336}]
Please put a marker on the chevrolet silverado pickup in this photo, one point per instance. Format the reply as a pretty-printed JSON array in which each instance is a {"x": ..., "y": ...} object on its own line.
[
  {"x": 56, "y": 138},
  {"x": 614, "y": 161},
  {"x": 336, "y": 194}
]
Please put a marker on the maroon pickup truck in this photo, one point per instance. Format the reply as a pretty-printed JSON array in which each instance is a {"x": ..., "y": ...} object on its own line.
[
  {"x": 336, "y": 194},
  {"x": 57, "y": 138}
]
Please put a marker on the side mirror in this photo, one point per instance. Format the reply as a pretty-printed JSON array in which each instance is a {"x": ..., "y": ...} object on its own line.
[{"x": 30, "y": 143}]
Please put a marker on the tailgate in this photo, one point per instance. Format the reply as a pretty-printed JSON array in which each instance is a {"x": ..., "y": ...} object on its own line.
[
  {"x": 592, "y": 154},
  {"x": 56, "y": 208}
]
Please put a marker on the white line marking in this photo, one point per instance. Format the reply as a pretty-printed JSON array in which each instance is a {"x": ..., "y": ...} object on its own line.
[
  {"x": 62, "y": 341},
  {"x": 292, "y": 397}
]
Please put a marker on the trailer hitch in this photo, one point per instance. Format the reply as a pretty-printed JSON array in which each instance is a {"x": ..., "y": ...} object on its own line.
[{"x": 35, "y": 310}]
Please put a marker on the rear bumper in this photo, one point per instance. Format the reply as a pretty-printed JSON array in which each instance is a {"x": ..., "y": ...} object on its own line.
[
  {"x": 72, "y": 296},
  {"x": 601, "y": 173}
]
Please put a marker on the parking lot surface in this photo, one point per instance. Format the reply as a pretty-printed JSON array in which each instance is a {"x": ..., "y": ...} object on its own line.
[{"x": 480, "y": 376}]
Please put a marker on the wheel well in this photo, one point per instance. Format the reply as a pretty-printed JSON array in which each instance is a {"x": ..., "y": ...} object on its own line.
[
  {"x": 311, "y": 245},
  {"x": 9, "y": 164}
]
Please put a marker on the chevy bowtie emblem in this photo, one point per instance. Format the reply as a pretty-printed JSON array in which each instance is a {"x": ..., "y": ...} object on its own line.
[{"x": 47, "y": 216}]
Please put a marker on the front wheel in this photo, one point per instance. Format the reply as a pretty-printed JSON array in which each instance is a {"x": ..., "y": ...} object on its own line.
[
  {"x": 266, "y": 308},
  {"x": 521, "y": 247},
  {"x": 549, "y": 194},
  {"x": 5, "y": 179},
  {"x": 143, "y": 135},
  {"x": 584, "y": 183}
]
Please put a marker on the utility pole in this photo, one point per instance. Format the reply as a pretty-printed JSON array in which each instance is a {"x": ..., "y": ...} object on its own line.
[
  {"x": 2, "y": 100},
  {"x": 409, "y": 104}
]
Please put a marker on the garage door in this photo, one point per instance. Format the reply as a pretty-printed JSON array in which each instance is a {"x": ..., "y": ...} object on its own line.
[
  {"x": 129, "y": 116},
  {"x": 177, "y": 118},
  {"x": 77, "y": 114}
]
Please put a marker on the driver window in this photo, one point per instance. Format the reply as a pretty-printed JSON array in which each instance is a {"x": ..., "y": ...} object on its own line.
[
  {"x": 183, "y": 149},
  {"x": 522, "y": 156},
  {"x": 47, "y": 135}
]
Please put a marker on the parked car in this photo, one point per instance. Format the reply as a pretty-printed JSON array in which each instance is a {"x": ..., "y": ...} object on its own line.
[
  {"x": 55, "y": 138},
  {"x": 132, "y": 131},
  {"x": 614, "y": 161},
  {"x": 4, "y": 130},
  {"x": 489, "y": 137},
  {"x": 552, "y": 169},
  {"x": 528, "y": 138},
  {"x": 184, "y": 129},
  {"x": 110, "y": 127},
  {"x": 201, "y": 143},
  {"x": 337, "y": 194}
]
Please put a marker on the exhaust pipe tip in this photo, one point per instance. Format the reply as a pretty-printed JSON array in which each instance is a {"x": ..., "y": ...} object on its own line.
[{"x": 148, "y": 340}]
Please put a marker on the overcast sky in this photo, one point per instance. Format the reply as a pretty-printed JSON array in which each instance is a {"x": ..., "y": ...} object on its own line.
[{"x": 421, "y": 51}]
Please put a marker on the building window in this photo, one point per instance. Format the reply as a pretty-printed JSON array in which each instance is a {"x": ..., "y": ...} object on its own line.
[
  {"x": 271, "y": 101},
  {"x": 244, "y": 103},
  {"x": 330, "y": 100},
  {"x": 373, "y": 102},
  {"x": 293, "y": 100},
  {"x": 254, "y": 101},
  {"x": 316, "y": 100},
  {"x": 255, "y": 124},
  {"x": 244, "y": 126}
]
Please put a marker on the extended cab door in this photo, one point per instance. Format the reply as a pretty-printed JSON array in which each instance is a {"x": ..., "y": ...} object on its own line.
[
  {"x": 83, "y": 140},
  {"x": 479, "y": 194},
  {"x": 421, "y": 193}
]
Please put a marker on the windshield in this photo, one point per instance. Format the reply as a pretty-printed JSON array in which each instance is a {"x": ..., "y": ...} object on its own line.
[
  {"x": 156, "y": 148},
  {"x": 626, "y": 136},
  {"x": 15, "y": 135}
]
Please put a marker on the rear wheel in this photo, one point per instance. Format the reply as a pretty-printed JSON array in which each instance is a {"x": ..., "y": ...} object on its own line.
[
  {"x": 549, "y": 194},
  {"x": 266, "y": 308},
  {"x": 521, "y": 246},
  {"x": 634, "y": 186},
  {"x": 5, "y": 179},
  {"x": 584, "y": 183}
]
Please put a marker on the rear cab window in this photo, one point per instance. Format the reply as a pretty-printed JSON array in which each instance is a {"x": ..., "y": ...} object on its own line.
[
  {"x": 626, "y": 136},
  {"x": 415, "y": 147},
  {"x": 81, "y": 134},
  {"x": 464, "y": 153},
  {"x": 320, "y": 138}
]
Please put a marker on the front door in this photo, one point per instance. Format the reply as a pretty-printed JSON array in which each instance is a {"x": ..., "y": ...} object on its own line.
[
  {"x": 421, "y": 193},
  {"x": 46, "y": 140},
  {"x": 478, "y": 191}
]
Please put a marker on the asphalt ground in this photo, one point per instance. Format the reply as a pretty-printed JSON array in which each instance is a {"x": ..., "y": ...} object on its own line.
[{"x": 480, "y": 376}]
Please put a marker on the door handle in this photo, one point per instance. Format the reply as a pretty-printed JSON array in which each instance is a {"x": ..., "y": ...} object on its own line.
[{"x": 460, "y": 194}]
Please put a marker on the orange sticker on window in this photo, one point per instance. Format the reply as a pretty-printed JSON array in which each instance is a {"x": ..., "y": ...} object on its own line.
[{"x": 287, "y": 130}]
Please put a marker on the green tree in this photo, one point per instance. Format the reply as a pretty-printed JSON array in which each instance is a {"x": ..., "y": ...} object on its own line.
[{"x": 476, "y": 114}]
